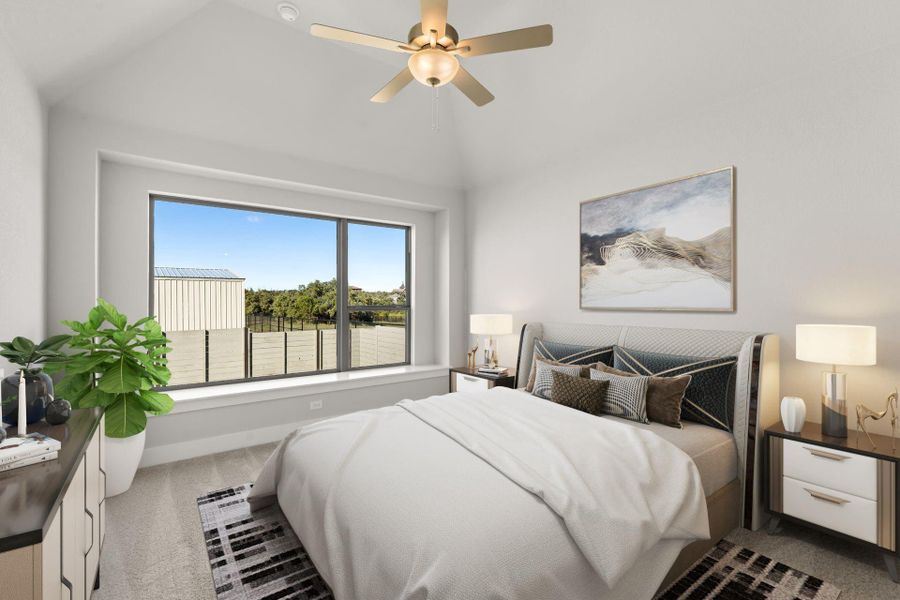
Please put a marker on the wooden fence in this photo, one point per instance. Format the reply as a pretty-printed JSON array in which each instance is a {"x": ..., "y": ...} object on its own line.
[{"x": 227, "y": 354}]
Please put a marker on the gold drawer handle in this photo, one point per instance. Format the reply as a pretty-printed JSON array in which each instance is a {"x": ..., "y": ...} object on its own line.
[
  {"x": 823, "y": 454},
  {"x": 826, "y": 497}
]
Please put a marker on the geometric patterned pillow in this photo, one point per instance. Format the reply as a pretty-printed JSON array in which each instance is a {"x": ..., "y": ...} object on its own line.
[
  {"x": 709, "y": 399},
  {"x": 568, "y": 354},
  {"x": 543, "y": 380},
  {"x": 626, "y": 397},
  {"x": 580, "y": 393},
  {"x": 664, "y": 396}
]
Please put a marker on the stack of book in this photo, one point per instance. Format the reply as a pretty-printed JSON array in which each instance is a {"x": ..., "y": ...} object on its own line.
[
  {"x": 495, "y": 371},
  {"x": 34, "y": 448}
]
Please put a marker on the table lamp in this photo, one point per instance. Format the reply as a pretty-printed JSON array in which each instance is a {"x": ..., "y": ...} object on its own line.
[
  {"x": 848, "y": 345},
  {"x": 490, "y": 325}
]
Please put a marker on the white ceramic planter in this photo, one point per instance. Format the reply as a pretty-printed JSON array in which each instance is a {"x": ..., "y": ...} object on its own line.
[
  {"x": 793, "y": 413},
  {"x": 122, "y": 458}
]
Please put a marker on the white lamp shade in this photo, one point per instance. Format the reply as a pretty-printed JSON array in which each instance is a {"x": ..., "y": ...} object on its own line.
[
  {"x": 836, "y": 344},
  {"x": 490, "y": 324}
]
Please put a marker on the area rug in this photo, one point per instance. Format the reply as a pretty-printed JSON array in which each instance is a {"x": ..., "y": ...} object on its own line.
[
  {"x": 259, "y": 557},
  {"x": 730, "y": 571},
  {"x": 255, "y": 556}
]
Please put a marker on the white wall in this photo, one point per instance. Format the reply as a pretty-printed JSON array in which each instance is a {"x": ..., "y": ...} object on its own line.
[
  {"x": 818, "y": 185},
  {"x": 23, "y": 148},
  {"x": 101, "y": 174}
]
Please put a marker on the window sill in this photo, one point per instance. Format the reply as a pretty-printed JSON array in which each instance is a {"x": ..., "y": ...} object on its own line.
[{"x": 233, "y": 394}]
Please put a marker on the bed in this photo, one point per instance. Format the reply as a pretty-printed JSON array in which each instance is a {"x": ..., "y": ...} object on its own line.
[{"x": 491, "y": 494}]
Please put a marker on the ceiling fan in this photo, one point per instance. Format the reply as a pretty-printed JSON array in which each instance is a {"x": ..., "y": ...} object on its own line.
[{"x": 434, "y": 48}]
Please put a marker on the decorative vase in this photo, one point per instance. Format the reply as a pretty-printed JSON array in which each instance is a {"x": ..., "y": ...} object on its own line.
[
  {"x": 793, "y": 413},
  {"x": 122, "y": 458},
  {"x": 38, "y": 391}
]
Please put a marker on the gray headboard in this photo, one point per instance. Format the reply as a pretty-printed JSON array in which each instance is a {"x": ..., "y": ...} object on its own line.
[{"x": 757, "y": 391}]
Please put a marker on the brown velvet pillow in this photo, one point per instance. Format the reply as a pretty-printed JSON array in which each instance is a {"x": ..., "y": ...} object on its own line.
[
  {"x": 529, "y": 387},
  {"x": 586, "y": 395},
  {"x": 664, "y": 395}
]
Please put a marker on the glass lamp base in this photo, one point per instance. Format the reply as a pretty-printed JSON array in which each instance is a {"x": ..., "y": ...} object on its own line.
[{"x": 834, "y": 404}]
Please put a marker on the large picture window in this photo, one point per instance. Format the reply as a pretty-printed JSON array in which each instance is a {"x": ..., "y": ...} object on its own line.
[{"x": 248, "y": 294}]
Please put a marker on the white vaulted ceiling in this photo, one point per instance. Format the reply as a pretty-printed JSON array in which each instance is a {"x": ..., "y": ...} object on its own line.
[
  {"x": 61, "y": 41},
  {"x": 232, "y": 71}
]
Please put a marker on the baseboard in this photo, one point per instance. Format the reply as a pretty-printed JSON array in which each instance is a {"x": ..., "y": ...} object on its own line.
[{"x": 158, "y": 455}]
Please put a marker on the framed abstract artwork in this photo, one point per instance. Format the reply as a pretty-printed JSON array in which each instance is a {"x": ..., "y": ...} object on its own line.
[{"x": 667, "y": 246}]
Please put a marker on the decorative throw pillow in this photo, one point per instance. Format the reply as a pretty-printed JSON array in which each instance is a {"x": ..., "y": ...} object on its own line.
[
  {"x": 567, "y": 354},
  {"x": 626, "y": 397},
  {"x": 529, "y": 387},
  {"x": 708, "y": 399},
  {"x": 664, "y": 395},
  {"x": 543, "y": 380},
  {"x": 586, "y": 395}
]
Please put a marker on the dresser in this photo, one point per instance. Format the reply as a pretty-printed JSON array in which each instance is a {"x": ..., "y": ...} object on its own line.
[
  {"x": 464, "y": 379},
  {"x": 839, "y": 485},
  {"x": 52, "y": 516}
]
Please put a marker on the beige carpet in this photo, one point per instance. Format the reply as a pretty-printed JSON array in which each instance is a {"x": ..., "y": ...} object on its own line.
[{"x": 154, "y": 547}]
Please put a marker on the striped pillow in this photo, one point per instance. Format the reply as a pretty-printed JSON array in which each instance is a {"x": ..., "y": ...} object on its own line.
[
  {"x": 543, "y": 380},
  {"x": 567, "y": 354},
  {"x": 708, "y": 399},
  {"x": 626, "y": 397}
]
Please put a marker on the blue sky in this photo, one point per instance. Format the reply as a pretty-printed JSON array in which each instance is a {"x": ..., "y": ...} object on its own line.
[{"x": 274, "y": 251}]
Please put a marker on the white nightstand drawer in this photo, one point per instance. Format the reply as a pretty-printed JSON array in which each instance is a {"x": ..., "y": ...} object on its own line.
[
  {"x": 469, "y": 383},
  {"x": 842, "y": 471},
  {"x": 829, "y": 508}
]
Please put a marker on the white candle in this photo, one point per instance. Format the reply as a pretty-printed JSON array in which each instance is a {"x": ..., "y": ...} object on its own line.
[{"x": 22, "y": 406}]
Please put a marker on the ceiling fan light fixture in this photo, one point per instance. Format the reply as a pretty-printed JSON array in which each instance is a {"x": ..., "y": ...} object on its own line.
[
  {"x": 433, "y": 67},
  {"x": 433, "y": 45}
]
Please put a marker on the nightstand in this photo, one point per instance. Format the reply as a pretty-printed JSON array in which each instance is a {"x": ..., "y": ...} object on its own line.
[
  {"x": 463, "y": 379},
  {"x": 837, "y": 485}
]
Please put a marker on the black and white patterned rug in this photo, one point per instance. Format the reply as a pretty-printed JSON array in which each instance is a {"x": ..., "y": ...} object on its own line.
[
  {"x": 259, "y": 557},
  {"x": 255, "y": 556},
  {"x": 730, "y": 571}
]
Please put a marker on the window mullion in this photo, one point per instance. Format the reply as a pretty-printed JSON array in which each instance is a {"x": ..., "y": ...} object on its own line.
[{"x": 343, "y": 314}]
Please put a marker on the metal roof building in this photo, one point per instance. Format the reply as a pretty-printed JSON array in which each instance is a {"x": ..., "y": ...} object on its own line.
[
  {"x": 189, "y": 273},
  {"x": 190, "y": 299}
]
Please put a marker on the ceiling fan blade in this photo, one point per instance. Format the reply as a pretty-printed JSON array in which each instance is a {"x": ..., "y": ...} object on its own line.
[
  {"x": 519, "y": 39},
  {"x": 470, "y": 86},
  {"x": 345, "y": 35},
  {"x": 434, "y": 16},
  {"x": 393, "y": 86}
]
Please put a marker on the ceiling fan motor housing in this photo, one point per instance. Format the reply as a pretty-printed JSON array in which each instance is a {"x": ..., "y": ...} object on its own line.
[{"x": 419, "y": 38}]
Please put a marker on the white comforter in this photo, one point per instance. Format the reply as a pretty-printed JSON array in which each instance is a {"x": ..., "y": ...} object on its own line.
[{"x": 490, "y": 495}]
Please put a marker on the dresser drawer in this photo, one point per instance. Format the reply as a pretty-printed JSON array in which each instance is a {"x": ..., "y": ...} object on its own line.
[
  {"x": 850, "y": 473},
  {"x": 468, "y": 383},
  {"x": 829, "y": 508}
]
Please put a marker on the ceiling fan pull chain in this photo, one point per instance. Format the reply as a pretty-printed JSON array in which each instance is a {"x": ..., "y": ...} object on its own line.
[{"x": 435, "y": 114}]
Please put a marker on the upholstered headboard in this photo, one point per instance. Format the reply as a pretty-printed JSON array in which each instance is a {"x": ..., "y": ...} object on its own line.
[{"x": 757, "y": 388}]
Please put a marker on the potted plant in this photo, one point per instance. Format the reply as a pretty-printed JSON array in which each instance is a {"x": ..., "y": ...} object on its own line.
[
  {"x": 117, "y": 365},
  {"x": 30, "y": 357}
]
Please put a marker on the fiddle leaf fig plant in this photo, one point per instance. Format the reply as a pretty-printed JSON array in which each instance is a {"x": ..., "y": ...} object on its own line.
[
  {"x": 117, "y": 365},
  {"x": 25, "y": 353}
]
